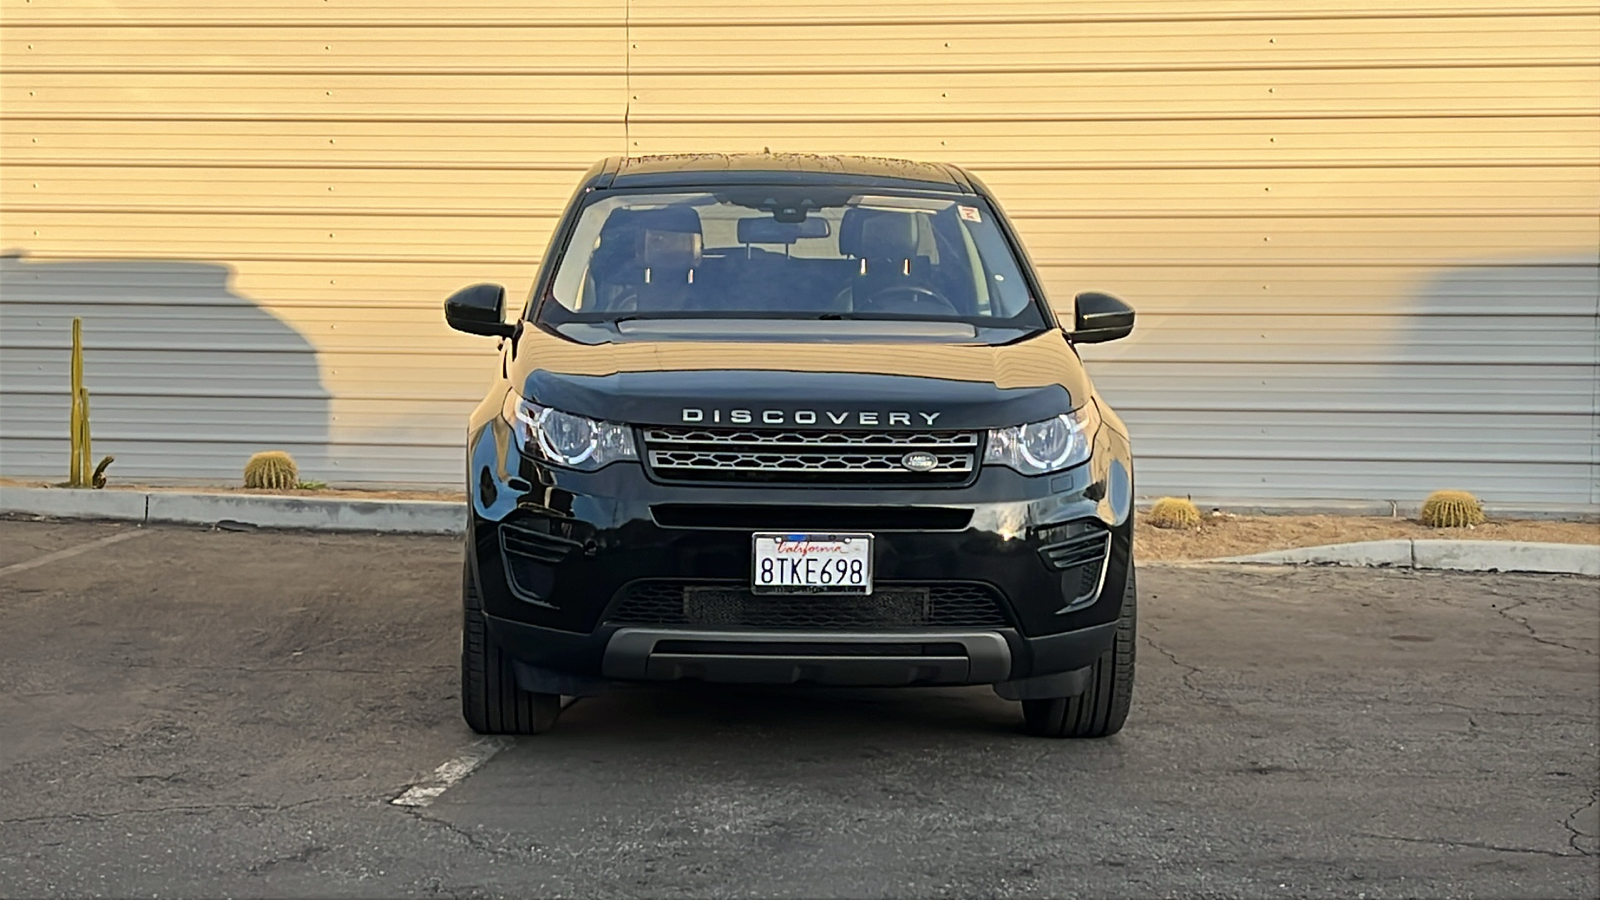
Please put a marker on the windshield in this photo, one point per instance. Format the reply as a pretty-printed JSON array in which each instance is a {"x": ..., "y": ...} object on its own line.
[{"x": 808, "y": 252}]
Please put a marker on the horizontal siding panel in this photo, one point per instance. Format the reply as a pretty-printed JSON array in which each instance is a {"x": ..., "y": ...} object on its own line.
[
  {"x": 427, "y": 342},
  {"x": 896, "y": 12},
  {"x": 242, "y": 48},
  {"x": 121, "y": 417},
  {"x": 1157, "y": 145},
  {"x": 311, "y": 95},
  {"x": 1365, "y": 231},
  {"x": 1179, "y": 340},
  {"x": 1440, "y": 90},
  {"x": 193, "y": 12},
  {"x": 1371, "y": 436},
  {"x": 1086, "y": 46},
  {"x": 1436, "y": 91},
  {"x": 265, "y": 375},
  {"x": 1536, "y": 287},
  {"x": 138, "y": 417},
  {"x": 222, "y": 236},
  {"x": 1336, "y": 195},
  {"x": 1437, "y": 242},
  {"x": 203, "y": 235},
  {"x": 1478, "y": 389},
  {"x": 135, "y": 12},
  {"x": 1505, "y": 481},
  {"x": 358, "y": 291},
  {"x": 422, "y": 193},
  {"x": 504, "y": 147},
  {"x": 198, "y": 375},
  {"x": 739, "y": 48},
  {"x": 1362, "y": 190}
]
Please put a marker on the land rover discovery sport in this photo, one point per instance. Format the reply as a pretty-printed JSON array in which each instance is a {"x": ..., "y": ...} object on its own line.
[{"x": 794, "y": 419}]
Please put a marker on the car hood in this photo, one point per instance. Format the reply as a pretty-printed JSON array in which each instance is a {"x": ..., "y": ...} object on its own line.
[{"x": 860, "y": 386}]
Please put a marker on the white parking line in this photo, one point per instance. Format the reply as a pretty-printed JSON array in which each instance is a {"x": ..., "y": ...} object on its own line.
[
  {"x": 443, "y": 778},
  {"x": 49, "y": 558}
]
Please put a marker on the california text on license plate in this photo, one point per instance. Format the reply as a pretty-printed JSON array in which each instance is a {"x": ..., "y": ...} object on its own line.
[{"x": 811, "y": 564}]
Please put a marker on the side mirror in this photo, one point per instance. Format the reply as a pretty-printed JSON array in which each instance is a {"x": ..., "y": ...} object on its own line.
[
  {"x": 1099, "y": 318},
  {"x": 478, "y": 310}
]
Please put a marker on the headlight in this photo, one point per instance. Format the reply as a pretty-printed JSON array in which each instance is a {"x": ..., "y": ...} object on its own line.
[
  {"x": 1049, "y": 446},
  {"x": 565, "y": 439}
]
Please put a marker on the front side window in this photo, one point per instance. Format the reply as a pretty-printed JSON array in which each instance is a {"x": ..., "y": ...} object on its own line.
[{"x": 802, "y": 252}]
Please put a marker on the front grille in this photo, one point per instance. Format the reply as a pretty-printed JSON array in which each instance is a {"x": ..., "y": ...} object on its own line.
[
  {"x": 812, "y": 457},
  {"x": 730, "y": 606}
]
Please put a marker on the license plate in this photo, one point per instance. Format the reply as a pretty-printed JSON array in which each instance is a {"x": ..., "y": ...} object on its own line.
[{"x": 811, "y": 564}]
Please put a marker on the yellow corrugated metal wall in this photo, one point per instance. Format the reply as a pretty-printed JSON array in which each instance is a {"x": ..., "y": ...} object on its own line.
[{"x": 1280, "y": 187}]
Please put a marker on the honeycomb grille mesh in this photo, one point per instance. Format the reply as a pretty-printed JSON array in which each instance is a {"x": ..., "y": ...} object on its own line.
[
  {"x": 727, "y": 454},
  {"x": 679, "y": 603}
]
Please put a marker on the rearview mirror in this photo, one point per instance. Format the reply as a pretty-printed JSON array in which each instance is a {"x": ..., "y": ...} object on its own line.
[
  {"x": 1098, "y": 318},
  {"x": 764, "y": 230},
  {"x": 478, "y": 309}
]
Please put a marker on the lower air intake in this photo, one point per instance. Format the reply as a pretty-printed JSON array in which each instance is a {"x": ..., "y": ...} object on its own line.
[{"x": 731, "y": 606}]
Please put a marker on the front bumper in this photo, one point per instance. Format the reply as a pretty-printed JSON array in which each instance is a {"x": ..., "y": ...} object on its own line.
[{"x": 1008, "y": 580}]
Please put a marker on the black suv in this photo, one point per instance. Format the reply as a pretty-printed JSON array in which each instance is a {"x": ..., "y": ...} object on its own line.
[{"x": 794, "y": 419}]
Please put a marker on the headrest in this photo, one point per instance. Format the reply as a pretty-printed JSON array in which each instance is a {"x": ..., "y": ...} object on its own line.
[
  {"x": 667, "y": 238},
  {"x": 878, "y": 234}
]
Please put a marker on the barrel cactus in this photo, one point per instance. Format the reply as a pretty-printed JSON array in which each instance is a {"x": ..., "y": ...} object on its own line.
[
  {"x": 1451, "y": 509},
  {"x": 1174, "y": 512},
  {"x": 273, "y": 470}
]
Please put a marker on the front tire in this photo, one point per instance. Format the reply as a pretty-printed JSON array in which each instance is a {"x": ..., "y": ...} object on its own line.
[
  {"x": 1103, "y": 708},
  {"x": 491, "y": 702}
]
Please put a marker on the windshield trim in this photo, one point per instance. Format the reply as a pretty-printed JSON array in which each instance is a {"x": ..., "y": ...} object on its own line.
[{"x": 549, "y": 313}]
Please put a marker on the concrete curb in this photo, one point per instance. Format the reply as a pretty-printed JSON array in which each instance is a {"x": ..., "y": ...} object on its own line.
[
  {"x": 442, "y": 517},
  {"x": 261, "y": 510},
  {"x": 1461, "y": 556},
  {"x": 71, "y": 504}
]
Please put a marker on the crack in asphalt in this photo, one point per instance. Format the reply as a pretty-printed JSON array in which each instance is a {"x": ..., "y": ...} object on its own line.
[
  {"x": 1574, "y": 833},
  {"x": 1504, "y": 613},
  {"x": 1473, "y": 845},
  {"x": 303, "y": 855},
  {"x": 1473, "y": 709},
  {"x": 1188, "y": 674},
  {"x": 476, "y": 841},
  {"x": 181, "y": 808}
]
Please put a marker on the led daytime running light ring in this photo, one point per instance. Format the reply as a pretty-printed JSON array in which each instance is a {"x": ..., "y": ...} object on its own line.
[
  {"x": 551, "y": 453},
  {"x": 1066, "y": 448}
]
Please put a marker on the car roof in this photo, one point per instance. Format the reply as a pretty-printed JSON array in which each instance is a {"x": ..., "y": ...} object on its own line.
[{"x": 712, "y": 169}]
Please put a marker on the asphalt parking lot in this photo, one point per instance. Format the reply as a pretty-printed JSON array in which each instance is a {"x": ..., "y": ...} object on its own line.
[{"x": 201, "y": 713}]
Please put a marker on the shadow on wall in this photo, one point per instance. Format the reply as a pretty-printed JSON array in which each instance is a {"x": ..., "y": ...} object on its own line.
[
  {"x": 1509, "y": 362},
  {"x": 186, "y": 378},
  {"x": 1366, "y": 388}
]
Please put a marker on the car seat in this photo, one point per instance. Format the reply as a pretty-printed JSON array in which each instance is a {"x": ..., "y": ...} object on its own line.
[
  {"x": 885, "y": 242},
  {"x": 646, "y": 259}
]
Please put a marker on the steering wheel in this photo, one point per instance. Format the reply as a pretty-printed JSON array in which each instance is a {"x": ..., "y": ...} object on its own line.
[{"x": 922, "y": 299}]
